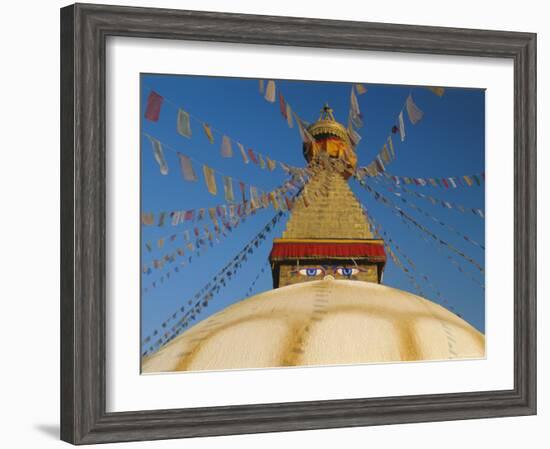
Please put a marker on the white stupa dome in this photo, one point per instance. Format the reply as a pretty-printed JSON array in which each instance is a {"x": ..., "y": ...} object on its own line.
[{"x": 325, "y": 322}]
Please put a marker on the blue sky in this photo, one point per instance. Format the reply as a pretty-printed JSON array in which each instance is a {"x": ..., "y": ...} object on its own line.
[{"x": 448, "y": 141}]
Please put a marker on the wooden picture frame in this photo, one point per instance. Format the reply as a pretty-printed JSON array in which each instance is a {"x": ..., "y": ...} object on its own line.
[{"x": 84, "y": 29}]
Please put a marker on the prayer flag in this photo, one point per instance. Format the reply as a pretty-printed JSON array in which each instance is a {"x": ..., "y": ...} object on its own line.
[
  {"x": 226, "y": 150},
  {"x": 271, "y": 164},
  {"x": 176, "y": 217},
  {"x": 242, "y": 188},
  {"x": 188, "y": 215},
  {"x": 254, "y": 200},
  {"x": 158, "y": 153},
  {"x": 452, "y": 182},
  {"x": 270, "y": 91},
  {"x": 401, "y": 126},
  {"x": 187, "y": 168},
  {"x": 361, "y": 89},
  {"x": 354, "y": 110},
  {"x": 262, "y": 162},
  {"x": 208, "y": 132},
  {"x": 274, "y": 200},
  {"x": 212, "y": 214},
  {"x": 385, "y": 155},
  {"x": 243, "y": 154},
  {"x": 162, "y": 215},
  {"x": 252, "y": 156},
  {"x": 210, "y": 179},
  {"x": 439, "y": 91},
  {"x": 282, "y": 105},
  {"x": 154, "y": 103},
  {"x": 228, "y": 188},
  {"x": 289, "y": 113},
  {"x": 261, "y": 86},
  {"x": 184, "y": 124},
  {"x": 468, "y": 181},
  {"x": 414, "y": 112},
  {"x": 392, "y": 151},
  {"x": 304, "y": 134}
]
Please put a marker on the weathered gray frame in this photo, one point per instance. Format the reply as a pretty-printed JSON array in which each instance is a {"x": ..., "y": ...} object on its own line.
[{"x": 84, "y": 29}]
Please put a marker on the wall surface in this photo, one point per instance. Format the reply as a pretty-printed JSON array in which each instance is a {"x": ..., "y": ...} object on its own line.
[{"x": 29, "y": 318}]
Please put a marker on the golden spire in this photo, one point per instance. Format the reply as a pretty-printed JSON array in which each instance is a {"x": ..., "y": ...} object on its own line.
[{"x": 332, "y": 138}]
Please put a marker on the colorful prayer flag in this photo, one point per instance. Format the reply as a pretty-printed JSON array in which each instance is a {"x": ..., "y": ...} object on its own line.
[
  {"x": 243, "y": 154},
  {"x": 360, "y": 88},
  {"x": 282, "y": 105},
  {"x": 210, "y": 179},
  {"x": 439, "y": 91},
  {"x": 226, "y": 149},
  {"x": 270, "y": 91},
  {"x": 252, "y": 156},
  {"x": 289, "y": 113},
  {"x": 355, "y": 113},
  {"x": 390, "y": 144},
  {"x": 262, "y": 162},
  {"x": 385, "y": 154},
  {"x": 208, "y": 132},
  {"x": 158, "y": 153},
  {"x": 187, "y": 168},
  {"x": 154, "y": 103},
  {"x": 401, "y": 126},
  {"x": 271, "y": 165},
  {"x": 261, "y": 86},
  {"x": 414, "y": 112},
  {"x": 254, "y": 200},
  {"x": 228, "y": 188},
  {"x": 243, "y": 193},
  {"x": 183, "y": 123}
]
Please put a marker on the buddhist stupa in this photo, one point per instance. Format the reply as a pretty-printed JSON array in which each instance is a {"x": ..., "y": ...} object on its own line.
[{"x": 328, "y": 305}]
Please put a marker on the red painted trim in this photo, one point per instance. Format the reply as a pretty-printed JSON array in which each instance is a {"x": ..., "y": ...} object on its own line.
[{"x": 292, "y": 250}]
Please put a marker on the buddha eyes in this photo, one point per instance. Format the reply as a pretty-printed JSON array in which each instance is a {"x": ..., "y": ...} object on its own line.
[
  {"x": 347, "y": 271},
  {"x": 317, "y": 271},
  {"x": 311, "y": 271}
]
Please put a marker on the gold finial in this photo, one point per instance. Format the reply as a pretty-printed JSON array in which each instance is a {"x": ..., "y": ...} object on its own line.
[{"x": 327, "y": 113}]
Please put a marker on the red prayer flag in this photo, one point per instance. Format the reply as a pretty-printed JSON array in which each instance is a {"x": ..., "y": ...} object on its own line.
[
  {"x": 154, "y": 102},
  {"x": 243, "y": 188},
  {"x": 445, "y": 183},
  {"x": 282, "y": 105},
  {"x": 252, "y": 156}
]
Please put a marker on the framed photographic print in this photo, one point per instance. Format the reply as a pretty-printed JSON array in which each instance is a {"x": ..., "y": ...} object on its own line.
[{"x": 274, "y": 223}]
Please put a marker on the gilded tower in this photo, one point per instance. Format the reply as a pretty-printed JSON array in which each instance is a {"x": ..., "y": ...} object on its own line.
[{"x": 328, "y": 233}]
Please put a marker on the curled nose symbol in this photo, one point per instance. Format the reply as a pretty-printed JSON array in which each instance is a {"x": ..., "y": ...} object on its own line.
[{"x": 328, "y": 277}]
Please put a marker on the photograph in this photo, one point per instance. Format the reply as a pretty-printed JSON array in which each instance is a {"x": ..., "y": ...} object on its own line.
[{"x": 300, "y": 223}]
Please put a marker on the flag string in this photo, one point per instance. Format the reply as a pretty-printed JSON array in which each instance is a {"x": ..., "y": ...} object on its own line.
[
  {"x": 435, "y": 219},
  {"x": 293, "y": 172},
  {"x": 400, "y": 212},
  {"x": 448, "y": 182},
  {"x": 381, "y": 233},
  {"x": 433, "y": 200},
  {"x": 203, "y": 122},
  {"x": 183, "y": 315}
]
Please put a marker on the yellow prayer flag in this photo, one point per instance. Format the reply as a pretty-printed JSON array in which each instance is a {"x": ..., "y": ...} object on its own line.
[
  {"x": 271, "y": 164},
  {"x": 208, "y": 132},
  {"x": 262, "y": 162},
  {"x": 273, "y": 200},
  {"x": 361, "y": 89},
  {"x": 439, "y": 91},
  {"x": 390, "y": 144},
  {"x": 210, "y": 179}
]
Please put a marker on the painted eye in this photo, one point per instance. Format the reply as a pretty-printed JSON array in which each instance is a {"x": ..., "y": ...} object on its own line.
[
  {"x": 347, "y": 271},
  {"x": 311, "y": 271}
]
